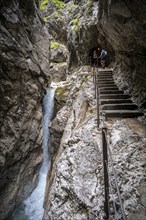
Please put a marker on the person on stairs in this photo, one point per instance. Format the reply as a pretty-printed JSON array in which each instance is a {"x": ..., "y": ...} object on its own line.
[
  {"x": 95, "y": 57},
  {"x": 102, "y": 57}
]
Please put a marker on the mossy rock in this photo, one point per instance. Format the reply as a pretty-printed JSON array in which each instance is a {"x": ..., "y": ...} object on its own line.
[
  {"x": 58, "y": 4},
  {"x": 43, "y": 4},
  {"x": 54, "y": 44},
  {"x": 72, "y": 7},
  {"x": 75, "y": 21},
  {"x": 61, "y": 93}
]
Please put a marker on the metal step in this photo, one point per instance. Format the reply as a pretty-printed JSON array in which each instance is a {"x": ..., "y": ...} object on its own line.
[
  {"x": 114, "y": 96},
  {"x": 119, "y": 106},
  {"x": 123, "y": 113},
  {"x": 114, "y": 101},
  {"x": 111, "y": 92}
]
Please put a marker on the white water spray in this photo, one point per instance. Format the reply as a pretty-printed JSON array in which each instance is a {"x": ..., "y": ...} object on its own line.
[{"x": 32, "y": 207}]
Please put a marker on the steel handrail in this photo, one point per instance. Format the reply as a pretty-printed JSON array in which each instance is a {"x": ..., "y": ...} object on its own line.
[
  {"x": 95, "y": 75},
  {"x": 115, "y": 178},
  {"x": 106, "y": 178},
  {"x": 106, "y": 153}
]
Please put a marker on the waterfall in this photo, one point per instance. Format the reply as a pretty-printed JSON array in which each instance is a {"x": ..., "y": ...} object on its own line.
[{"x": 32, "y": 207}]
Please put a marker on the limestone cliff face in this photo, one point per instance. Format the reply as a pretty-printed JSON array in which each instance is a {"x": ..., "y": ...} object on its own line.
[
  {"x": 123, "y": 25},
  {"x": 24, "y": 65}
]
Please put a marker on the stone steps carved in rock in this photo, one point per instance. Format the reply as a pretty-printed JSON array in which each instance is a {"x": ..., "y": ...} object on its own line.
[
  {"x": 119, "y": 106},
  {"x": 106, "y": 92},
  {"x": 123, "y": 113},
  {"x": 114, "y": 103}
]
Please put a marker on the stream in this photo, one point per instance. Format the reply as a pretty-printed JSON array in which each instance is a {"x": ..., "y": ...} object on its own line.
[{"x": 32, "y": 207}]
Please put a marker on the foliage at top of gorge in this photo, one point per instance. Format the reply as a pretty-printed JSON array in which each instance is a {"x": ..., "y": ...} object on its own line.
[{"x": 57, "y": 3}]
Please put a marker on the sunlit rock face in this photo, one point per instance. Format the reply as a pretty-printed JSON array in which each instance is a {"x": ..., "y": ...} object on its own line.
[
  {"x": 24, "y": 73},
  {"x": 124, "y": 26}
]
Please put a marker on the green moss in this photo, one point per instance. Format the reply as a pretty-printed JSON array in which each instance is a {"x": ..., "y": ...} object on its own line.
[
  {"x": 89, "y": 5},
  {"x": 76, "y": 28},
  {"x": 46, "y": 19},
  {"x": 54, "y": 15},
  {"x": 72, "y": 7},
  {"x": 54, "y": 44},
  {"x": 75, "y": 21},
  {"x": 43, "y": 4},
  {"x": 60, "y": 92},
  {"x": 75, "y": 24},
  {"x": 58, "y": 4}
]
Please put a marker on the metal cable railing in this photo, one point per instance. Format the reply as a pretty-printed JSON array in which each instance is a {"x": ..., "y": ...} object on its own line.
[{"x": 107, "y": 157}]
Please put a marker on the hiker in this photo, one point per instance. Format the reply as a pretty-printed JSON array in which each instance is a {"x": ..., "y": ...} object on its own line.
[
  {"x": 103, "y": 56},
  {"x": 95, "y": 57}
]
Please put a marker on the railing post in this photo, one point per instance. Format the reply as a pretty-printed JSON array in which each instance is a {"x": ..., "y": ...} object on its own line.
[{"x": 105, "y": 167}]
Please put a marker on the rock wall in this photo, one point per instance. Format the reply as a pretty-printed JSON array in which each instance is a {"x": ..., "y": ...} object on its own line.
[
  {"x": 123, "y": 25},
  {"x": 24, "y": 61},
  {"x": 76, "y": 25}
]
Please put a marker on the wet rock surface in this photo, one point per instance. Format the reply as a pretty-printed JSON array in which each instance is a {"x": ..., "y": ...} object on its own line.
[
  {"x": 24, "y": 74},
  {"x": 75, "y": 187}
]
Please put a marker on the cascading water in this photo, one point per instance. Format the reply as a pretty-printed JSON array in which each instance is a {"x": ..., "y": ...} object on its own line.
[{"x": 32, "y": 207}]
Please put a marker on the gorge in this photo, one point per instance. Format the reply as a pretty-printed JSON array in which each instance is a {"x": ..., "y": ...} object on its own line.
[{"x": 50, "y": 41}]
